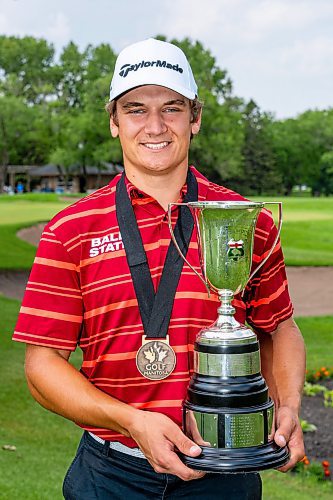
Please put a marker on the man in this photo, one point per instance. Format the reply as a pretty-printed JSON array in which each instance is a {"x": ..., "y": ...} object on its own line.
[{"x": 103, "y": 280}]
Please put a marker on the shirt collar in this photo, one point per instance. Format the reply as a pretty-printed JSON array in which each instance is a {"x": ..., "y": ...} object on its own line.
[
  {"x": 138, "y": 196},
  {"x": 203, "y": 186}
]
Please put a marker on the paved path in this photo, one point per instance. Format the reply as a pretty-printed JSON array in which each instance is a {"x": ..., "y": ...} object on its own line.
[
  {"x": 311, "y": 290},
  {"x": 12, "y": 283}
]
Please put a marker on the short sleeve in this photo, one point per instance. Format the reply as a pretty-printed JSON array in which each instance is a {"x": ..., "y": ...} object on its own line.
[
  {"x": 52, "y": 309},
  {"x": 267, "y": 296}
]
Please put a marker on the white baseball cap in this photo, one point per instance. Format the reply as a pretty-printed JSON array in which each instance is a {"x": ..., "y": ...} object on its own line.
[{"x": 153, "y": 62}]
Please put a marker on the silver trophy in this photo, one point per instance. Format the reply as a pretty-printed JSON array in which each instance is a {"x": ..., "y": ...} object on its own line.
[{"x": 228, "y": 411}]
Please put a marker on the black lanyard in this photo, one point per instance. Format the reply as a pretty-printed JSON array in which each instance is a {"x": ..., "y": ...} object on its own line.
[{"x": 155, "y": 309}]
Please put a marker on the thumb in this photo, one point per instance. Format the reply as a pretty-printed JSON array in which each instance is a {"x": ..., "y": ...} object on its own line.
[
  {"x": 280, "y": 439},
  {"x": 284, "y": 429},
  {"x": 186, "y": 445}
]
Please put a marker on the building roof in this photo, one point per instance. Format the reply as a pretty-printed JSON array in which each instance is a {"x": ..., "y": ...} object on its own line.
[
  {"x": 105, "y": 169},
  {"x": 52, "y": 170},
  {"x": 49, "y": 170},
  {"x": 19, "y": 169}
]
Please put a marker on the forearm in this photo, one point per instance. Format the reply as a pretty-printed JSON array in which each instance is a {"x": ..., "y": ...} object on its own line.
[
  {"x": 62, "y": 389},
  {"x": 59, "y": 387},
  {"x": 283, "y": 364}
]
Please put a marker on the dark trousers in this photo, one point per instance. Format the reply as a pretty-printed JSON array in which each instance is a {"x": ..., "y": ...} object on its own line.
[{"x": 98, "y": 472}]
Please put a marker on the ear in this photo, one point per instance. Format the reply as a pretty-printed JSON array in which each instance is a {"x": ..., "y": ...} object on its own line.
[
  {"x": 113, "y": 128},
  {"x": 195, "y": 126}
]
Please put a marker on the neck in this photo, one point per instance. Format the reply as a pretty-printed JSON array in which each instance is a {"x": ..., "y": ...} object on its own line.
[{"x": 164, "y": 188}]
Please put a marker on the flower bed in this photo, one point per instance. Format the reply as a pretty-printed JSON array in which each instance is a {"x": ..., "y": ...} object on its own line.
[
  {"x": 317, "y": 409},
  {"x": 322, "y": 471}
]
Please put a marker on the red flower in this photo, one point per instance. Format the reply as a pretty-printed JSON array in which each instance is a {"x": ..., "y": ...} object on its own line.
[
  {"x": 327, "y": 473},
  {"x": 325, "y": 464}
]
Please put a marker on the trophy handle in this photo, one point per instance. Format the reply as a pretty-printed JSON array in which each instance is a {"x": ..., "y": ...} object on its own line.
[
  {"x": 279, "y": 203},
  {"x": 176, "y": 244}
]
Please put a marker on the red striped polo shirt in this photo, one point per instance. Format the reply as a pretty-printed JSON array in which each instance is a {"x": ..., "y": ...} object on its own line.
[{"x": 80, "y": 293}]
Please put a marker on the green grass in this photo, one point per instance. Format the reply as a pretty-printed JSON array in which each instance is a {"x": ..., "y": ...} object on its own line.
[
  {"x": 307, "y": 230},
  {"x": 40, "y": 197},
  {"x": 14, "y": 252},
  {"x": 277, "y": 486},
  {"x": 308, "y": 243},
  {"x": 307, "y": 235},
  {"x": 318, "y": 337},
  {"x": 294, "y": 208},
  {"x": 26, "y": 211},
  {"x": 17, "y": 212},
  {"x": 46, "y": 443}
]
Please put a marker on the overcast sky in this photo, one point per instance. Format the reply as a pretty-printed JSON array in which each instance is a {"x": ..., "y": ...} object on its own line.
[{"x": 278, "y": 52}]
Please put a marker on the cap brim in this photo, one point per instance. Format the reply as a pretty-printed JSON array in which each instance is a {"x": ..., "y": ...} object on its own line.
[{"x": 177, "y": 88}]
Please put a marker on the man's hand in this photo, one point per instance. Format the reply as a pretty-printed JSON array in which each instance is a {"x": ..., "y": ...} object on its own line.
[
  {"x": 289, "y": 433},
  {"x": 158, "y": 437},
  {"x": 283, "y": 366}
]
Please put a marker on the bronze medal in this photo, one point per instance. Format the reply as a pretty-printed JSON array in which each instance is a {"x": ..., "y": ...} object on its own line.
[{"x": 155, "y": 359}]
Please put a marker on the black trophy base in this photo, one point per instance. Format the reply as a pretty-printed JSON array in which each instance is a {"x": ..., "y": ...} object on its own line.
[{"x": 232, "y": 460}]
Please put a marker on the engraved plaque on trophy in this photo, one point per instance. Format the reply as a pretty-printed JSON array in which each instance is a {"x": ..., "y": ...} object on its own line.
[{"x": 228, "y": 411}]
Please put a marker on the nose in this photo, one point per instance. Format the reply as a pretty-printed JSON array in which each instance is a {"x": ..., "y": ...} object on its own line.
[{"x": 155, "y": 124}]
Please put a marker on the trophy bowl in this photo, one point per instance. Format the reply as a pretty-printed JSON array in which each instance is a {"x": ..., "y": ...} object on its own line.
[{"x": 228, "y": 411}]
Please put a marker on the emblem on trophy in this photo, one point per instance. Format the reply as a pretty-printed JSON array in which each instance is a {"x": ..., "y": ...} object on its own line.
[
  {"x": 228, "y": 411},
  {"x": 235, "y": 249}
]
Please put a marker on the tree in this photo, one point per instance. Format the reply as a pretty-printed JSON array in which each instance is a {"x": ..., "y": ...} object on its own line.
[
  {"x": 208, "y": 75},
  {"x": 317, "y": 127},
  {"x": 216, "y": 150},
  {"x": 26, "y": 67},
  {"x": 25, "y": 134},
  {"x": 84, "y": 138},
  {"x": 82, "y": 134},
  {"x": 260, "y": 175},
  {"x": 324, "y": 181},
  {"x": 71, "y": 77},
  {"x": 299, "y": 145},
  {"x": 100, "y": 63}
]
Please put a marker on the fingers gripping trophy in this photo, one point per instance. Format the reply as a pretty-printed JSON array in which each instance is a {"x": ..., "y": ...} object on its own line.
[{"x": 228, "y": 411}]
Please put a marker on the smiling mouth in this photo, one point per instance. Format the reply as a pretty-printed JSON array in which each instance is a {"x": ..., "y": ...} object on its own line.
[{"x": 155, "y": 146}]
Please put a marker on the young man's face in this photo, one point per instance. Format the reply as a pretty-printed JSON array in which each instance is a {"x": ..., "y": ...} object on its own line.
[{"x": 154, "y": 127}]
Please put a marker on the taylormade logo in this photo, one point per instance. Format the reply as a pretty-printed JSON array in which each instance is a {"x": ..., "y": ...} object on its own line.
[{"x": 126, "y": 68}]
